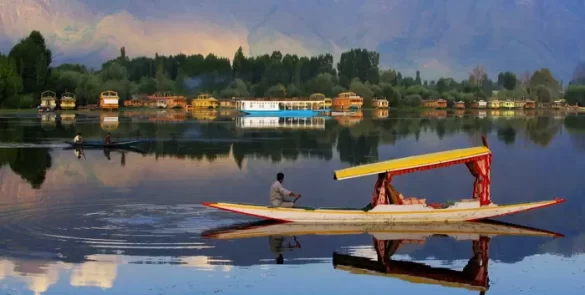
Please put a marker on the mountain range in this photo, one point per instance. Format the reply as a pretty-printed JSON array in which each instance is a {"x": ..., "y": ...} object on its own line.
[{"x": 437, "y": 37}]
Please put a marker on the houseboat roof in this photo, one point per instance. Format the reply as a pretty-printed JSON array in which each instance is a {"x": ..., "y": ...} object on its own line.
[
  {"x": 414, "y": 163},
  {"x": 283, "y": 100}
]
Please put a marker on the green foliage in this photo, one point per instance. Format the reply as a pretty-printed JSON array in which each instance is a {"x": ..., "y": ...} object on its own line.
[
  {"x": 544, "y": 94},
  {"x": 575, "y": 94},
  {"x": 10, "y": 81},
  {"x": 33, "y": 60},
  {"x": 507, "y": 80},
  {"x": 27, "y": 71}
]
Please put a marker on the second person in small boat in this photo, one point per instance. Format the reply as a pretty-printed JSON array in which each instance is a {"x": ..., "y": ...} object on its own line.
[
  {"x": 279, "y": 195},
  {"x": 108, "y": 139}
]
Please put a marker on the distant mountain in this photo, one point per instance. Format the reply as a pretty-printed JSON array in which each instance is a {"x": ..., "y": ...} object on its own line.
[{"x": 437, "y": 37}]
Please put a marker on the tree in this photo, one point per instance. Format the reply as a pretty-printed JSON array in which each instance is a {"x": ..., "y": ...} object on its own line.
[
  {"x": 544, "y": 77},
  {"x": 543, "y": 94},
  {"x": 575, "y": 94},
  {"x": 276, "y": 91},
  {"x": 361, "y": 89},
  {"x": 507, "y": 80},
  {"x": 33, "y": 60},
  {"x": 10, "y": 81},
  {"x": 477, "y": 75},
  {"x": 417, "y": 80}
]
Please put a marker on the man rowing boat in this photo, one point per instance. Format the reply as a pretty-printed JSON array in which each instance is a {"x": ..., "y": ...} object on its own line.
[
  {"x": 78, "y": 138},
  {"x": 108, "y": 138},
  {"x": 279, "y": 195}
]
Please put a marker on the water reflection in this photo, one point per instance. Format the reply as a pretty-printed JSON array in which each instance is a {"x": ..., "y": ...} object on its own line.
[{"x": 115, "y": 217}]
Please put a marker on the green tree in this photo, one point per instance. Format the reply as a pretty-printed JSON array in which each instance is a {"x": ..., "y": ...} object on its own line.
[
  {"x": 10, "y": 81},
  {"x": 417, "y": 80},
  {"x": 544, "y": 77},
  {"x": 361, "y": 89},
  {"x": 33, "y": 60},
  {"x": 543, "y": 94},
  {"x": 575, "y": 94},
  {"x": 507, "y": 80},
  {"x": 276, "y": 91}
]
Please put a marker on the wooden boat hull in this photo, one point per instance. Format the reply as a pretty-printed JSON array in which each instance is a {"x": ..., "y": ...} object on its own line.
[
  {"x": 460, "y": 211},
  {"x": 102, "y": 145},
  {"x": 396, "y": 231}
]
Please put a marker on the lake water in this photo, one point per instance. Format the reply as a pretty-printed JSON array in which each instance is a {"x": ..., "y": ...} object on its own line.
[{"x": 130, "y": 222}]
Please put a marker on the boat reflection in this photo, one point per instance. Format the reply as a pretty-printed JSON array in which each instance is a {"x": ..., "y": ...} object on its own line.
[
  {"x": 474, "y": 275},
  {"x": 387, "y": 238},
  {"x": 254, "y": 122}
]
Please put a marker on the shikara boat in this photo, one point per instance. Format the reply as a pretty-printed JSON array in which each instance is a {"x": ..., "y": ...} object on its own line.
[
  {"x": 101, "y": 144},
  {"x": 397, "y": 231},
  {"x": 477, "y": 159}
]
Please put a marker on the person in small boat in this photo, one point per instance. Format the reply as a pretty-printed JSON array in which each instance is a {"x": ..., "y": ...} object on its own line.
[
  {"x": 108, "y": 138},
  {"x": 279, "y": 196},
  {"x": 78, "y": 138},
  {"x": 385, "y": 193}
]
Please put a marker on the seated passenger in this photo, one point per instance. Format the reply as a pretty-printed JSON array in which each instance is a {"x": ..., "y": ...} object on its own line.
[{"x": 385, "y": 193}]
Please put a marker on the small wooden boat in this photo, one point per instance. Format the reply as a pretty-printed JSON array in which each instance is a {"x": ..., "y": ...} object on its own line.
[
  {"x": 101, "y": 144},
  {"x": 477, "y": 159}
]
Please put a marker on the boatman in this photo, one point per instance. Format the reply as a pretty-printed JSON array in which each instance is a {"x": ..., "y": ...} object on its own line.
[
  {"x": 279, "y": 195},
  {"x": 108, "y": 139},
  {"x": 78, "y": 138}
]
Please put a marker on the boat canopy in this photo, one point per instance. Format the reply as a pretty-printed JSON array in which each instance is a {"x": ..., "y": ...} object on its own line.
[{"x": 477, "y": 159}]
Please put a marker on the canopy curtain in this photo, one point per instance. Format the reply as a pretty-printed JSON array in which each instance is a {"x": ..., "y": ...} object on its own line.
[{"x": 480, "y": 169}]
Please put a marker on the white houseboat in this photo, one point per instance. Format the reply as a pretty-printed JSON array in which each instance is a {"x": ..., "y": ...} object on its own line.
[{"x": 291, "y": 107}]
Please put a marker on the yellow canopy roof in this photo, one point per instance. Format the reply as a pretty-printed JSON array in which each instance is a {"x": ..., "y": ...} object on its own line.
[{"x": 421, "y": 161}]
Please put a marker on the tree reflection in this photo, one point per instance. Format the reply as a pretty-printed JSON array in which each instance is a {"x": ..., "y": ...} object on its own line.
[
  {"x": 356, "y": 143},
  {"x": 542, "y": 130}
]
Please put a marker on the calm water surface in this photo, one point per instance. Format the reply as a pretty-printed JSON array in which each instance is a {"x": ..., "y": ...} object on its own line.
[{"x": 130, "y": 222}]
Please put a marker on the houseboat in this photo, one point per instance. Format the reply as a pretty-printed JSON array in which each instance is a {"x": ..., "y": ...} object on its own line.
[
  {"x": 429, "y": 103},
  {"x": 48, "y": 100},
  {"x": 508, "y": 104},
  {"x": 559, "y": 104},
  {"x": 482, "y": 104},
  {"x": 227, "y": 103},
  {"x": 167, "y": 99},
  {"x": 380, "y": 103},
  {"x": 434, "y": 103},
  {"x": 347, "y": 100},
  {"x": 109, "y": 100},
  {"x": 321, "y": 97},
  {"x": 205, "y": 101},
  {"x": 135, "y": 102},
  {"x": 494, "y": 104},
  {"x": 67, "y": 101},
  {"x": 530, "y": 104},
  {"x": 441, "y": 103},
  {"x": 460, "y": 105},
  {"x": 280, "y": 122},
  {"x": 519, "y": 104},
  {"x": 284, "y": 107},
  {"x": 109, "y": 122}
]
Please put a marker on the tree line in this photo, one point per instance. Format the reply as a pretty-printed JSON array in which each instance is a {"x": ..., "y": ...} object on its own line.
[{"x": 27, "y": 70}]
